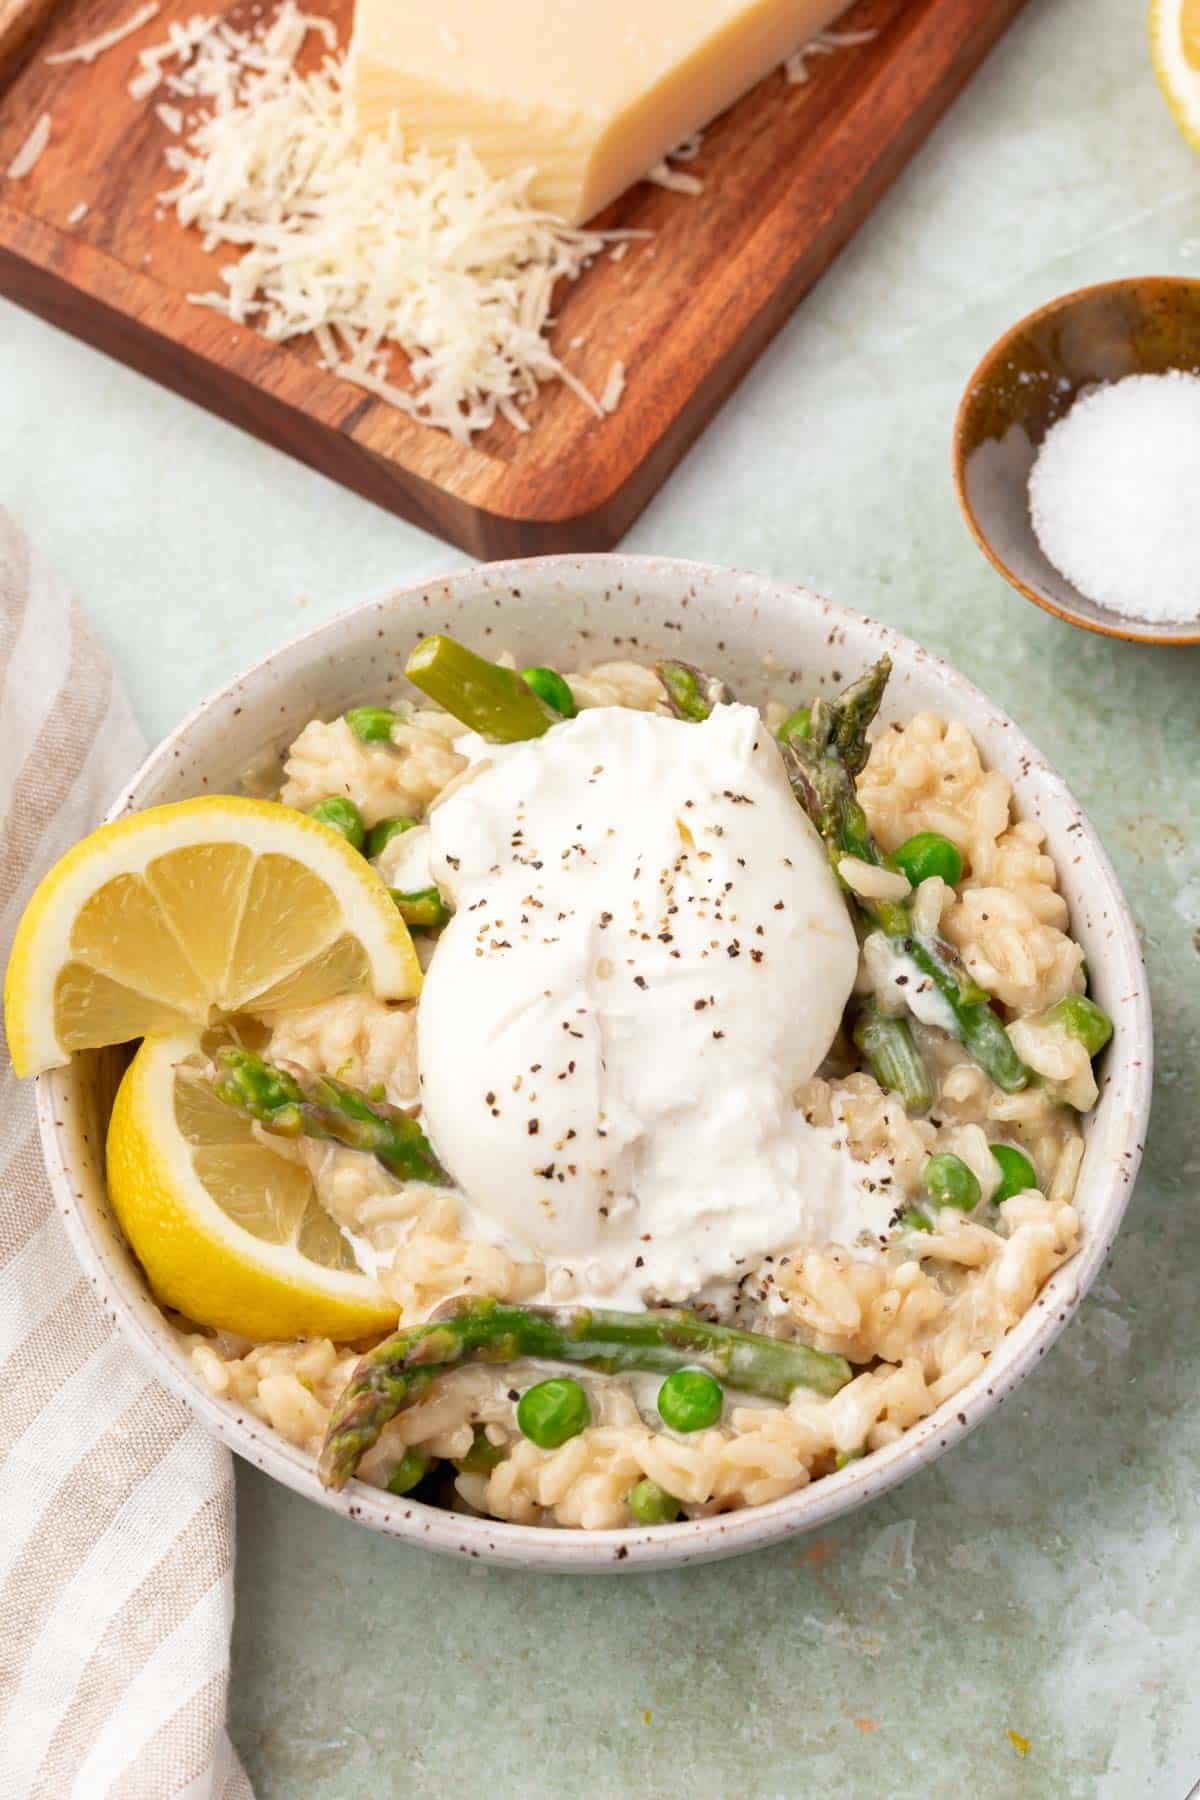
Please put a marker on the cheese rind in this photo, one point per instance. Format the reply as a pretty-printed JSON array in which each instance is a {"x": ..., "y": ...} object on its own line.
[{"x": 591, "y": 93}]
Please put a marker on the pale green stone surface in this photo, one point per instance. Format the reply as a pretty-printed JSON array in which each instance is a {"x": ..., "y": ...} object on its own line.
[{"x": 1045, "y": 1576}]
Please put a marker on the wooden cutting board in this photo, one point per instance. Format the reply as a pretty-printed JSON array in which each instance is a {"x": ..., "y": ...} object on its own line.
[{"x": 788, "y": 173}]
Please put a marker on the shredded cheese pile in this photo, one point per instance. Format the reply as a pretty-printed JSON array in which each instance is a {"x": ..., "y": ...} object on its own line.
[{"x": 363, "y": 242}]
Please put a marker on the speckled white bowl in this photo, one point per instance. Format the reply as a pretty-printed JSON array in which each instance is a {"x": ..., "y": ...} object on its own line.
[{"x": 564, "y": 610}]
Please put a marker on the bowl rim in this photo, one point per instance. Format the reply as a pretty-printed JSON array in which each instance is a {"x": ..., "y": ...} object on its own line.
[
  {"x": 1121, "y": 627},
  {"x": 123, "y": 1293}
]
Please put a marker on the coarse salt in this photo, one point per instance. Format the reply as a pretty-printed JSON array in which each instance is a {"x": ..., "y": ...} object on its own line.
[{"x": 1113, "y": 496}]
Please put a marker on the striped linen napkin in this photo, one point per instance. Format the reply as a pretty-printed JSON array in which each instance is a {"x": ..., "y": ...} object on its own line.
[{"x": 116, "y": 1508}]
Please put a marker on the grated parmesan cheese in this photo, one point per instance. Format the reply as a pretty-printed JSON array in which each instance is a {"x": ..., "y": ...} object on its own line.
[
  {"x": 144, "y": 83},
  {"x": 677, "y": 180},
  {"x": 94, "y": 47},
  {"x": 182, "y": 40},
  {"x": 689, "y": 150},
  {"x": 825, "y": 43},
  {"x": 365, "y": 244},
  {"x": 614, "y": 387},
  {"x": 78, "y": 213},
  {"x": 24, "y": 161},
  {"x": 361, "y": 242}
]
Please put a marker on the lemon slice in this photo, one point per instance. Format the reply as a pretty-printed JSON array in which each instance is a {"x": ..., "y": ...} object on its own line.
[
  {"x": 228, "y": 1230},
  {"x": 1175, "y": 52},
  {"x": 175, "y": 916}
]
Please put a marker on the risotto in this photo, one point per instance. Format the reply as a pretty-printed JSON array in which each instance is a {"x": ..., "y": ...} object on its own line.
[{"x": 815, "y": 1206}]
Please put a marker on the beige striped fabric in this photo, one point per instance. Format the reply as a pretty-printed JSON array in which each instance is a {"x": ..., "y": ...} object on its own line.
[{"x": 116, "y": 1509}]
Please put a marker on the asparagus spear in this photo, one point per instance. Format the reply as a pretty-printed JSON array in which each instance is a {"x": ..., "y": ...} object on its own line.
[
  {"x": 488, "y": 699},
  {"x": 295, "y": 1104},
  {"x": 397, "y": 1372},
  {"x": 843, "y": 723},
  {"x": 887, "y": 1043},
  {"x": 822, "y": 764},
  {"x": 691, "y": 692},
  {"x": 978, "y": 1027}
]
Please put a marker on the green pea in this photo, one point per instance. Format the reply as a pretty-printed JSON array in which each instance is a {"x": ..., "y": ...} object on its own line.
[
  {"x": 1081, "y": 1018},
  {"x": 912, "y": 1220},
  {"x": 929, "y": 853},
  {"x": 1017, "y": 1173},
  {"x": 424, "y": 910},
  {"x": 412, "y": 1468},
  {"x": 373, "y": 724},
  {"x": 796, "y": 725},
  {"x": 949, "y": 1182},
  {"x": 549, "y": 686},
  {"x": 553, "y": 1411},
  {"x": 651, "y": 1504},
  {"x": 341, "y": 816},
  {"x": 482, "y": 1457},
  {"x": 690, "y": 1400},
  {"x": 381, "y": 835}
]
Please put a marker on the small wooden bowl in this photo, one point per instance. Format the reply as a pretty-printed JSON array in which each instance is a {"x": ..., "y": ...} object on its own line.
[{"x": 1025, "y": 383}]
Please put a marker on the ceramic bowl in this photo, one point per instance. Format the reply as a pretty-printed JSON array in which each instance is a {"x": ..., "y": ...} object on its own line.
[
  {"x": 1027, "y": 381},
  {"x": 564, "y": 609}
]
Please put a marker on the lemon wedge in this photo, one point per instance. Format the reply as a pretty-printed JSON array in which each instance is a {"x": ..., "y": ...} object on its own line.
[
  {"x": 228, "y": 1230},
  {"x": 1175, "y": 52},
  {"x": 176, "y": 916}
]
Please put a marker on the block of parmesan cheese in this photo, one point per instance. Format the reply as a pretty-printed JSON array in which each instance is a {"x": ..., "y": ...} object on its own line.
[{"x": 590, "y": 93}]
